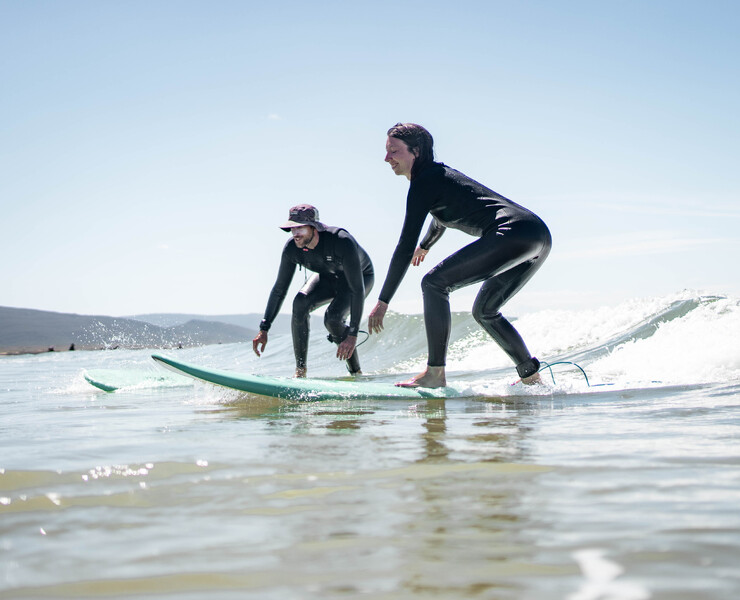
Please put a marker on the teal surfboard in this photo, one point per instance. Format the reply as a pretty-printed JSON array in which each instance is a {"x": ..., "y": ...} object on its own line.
[
  {"x": 112, "y": 380},
  {"x": 301, "y": 389}
]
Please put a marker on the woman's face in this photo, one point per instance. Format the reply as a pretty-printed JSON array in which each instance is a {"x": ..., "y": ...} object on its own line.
[{"x": 399, "y": 157}]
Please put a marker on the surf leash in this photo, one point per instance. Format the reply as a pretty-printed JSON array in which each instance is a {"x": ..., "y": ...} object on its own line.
[
  {"x": 330, "y": 337},
  {"x": 563, "y": 362},
  {"x": 367, "y": 336}
]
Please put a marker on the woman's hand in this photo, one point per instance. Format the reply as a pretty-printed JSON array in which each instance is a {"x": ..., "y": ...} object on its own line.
[
  {"x": 418, "y": 257},
  {"x": 375, "y": 320}
]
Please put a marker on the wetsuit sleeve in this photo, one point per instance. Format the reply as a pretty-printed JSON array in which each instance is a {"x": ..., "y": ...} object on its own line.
[
  {"x": 280, "y": 289},
  {"x": 352, "y": 267},
  {"x": 435, "y": 231},
  {"x": 412, "y": 224}
]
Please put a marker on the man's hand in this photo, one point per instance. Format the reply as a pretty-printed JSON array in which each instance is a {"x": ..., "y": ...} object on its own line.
[
  {"x": 418, "y": 256},
  {"x": 259, "y": 342},
  {"x": 347, "y": 347},
  {"x": 375, "y": 320}
]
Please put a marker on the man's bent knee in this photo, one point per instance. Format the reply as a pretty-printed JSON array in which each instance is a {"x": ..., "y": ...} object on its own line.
[{"x": 301, "y": 305}]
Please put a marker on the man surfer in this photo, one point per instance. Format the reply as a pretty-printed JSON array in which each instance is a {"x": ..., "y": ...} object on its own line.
[
  {"x": 343, "y": 277},
  {"x": 512, "y": 244}
]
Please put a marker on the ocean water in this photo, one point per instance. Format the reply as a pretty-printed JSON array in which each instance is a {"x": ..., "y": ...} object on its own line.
[{"x": 621, "y": 482}]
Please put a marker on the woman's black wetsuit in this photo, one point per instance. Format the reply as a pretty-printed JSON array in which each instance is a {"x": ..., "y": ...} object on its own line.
[
  {"x": 343, "y": 277},
  {"x": 513, "y": 243}
]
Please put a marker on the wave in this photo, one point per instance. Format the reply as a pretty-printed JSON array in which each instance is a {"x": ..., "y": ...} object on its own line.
[
  {"x": 680, "y": 339},
  {"x": 677, "y": 340}
]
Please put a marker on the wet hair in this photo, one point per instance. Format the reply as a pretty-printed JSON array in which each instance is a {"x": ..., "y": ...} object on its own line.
[{"x": 418, "y": 140}]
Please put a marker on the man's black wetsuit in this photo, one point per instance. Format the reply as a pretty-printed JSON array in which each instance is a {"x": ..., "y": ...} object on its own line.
[
  {"x": 343, "y": 276},
  {"x": 513, "y": 243}
]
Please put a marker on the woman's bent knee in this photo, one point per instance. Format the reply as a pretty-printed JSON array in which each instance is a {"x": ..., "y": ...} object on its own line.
[{"x": 434, "y": 284}]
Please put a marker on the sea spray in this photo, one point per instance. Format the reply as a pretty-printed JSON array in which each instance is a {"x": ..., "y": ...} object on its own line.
[
  {"x": 679, "y": 339},
  {"x": 700, "y": 347}
]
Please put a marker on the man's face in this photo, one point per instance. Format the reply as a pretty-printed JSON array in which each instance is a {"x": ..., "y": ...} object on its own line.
[{"x": 302, "y": 236}]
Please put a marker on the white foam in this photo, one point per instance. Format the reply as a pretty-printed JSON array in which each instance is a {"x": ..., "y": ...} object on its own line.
[
  {"x": 697, "y": 347},
  {"x": 600, "y": 575}
]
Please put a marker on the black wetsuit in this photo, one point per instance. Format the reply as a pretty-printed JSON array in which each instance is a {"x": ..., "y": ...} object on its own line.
[
  {"x": 343, "y": 276},
  {"x": 513, "y": 243}
]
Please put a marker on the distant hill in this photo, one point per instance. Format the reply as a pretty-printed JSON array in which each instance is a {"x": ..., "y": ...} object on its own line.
[
  {"x": 27, "y": 330},
  {"x": 248, "y": 321}
]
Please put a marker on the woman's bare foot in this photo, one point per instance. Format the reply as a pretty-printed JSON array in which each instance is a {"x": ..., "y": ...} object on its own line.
[
  {"x": 433, "y": 377},
  {"x": 532, "y": 380},
  {"x": 300, "y": 372}
]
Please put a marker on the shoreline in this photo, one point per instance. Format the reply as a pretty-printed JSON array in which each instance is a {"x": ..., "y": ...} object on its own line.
[{"x": 51, "y": 349}]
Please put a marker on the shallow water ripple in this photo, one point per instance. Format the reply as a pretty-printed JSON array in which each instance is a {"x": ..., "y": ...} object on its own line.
[{"x": 191, "y": 492}]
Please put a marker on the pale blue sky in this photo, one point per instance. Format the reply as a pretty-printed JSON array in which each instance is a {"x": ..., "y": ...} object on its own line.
[{"x": 149, "y": 149}]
